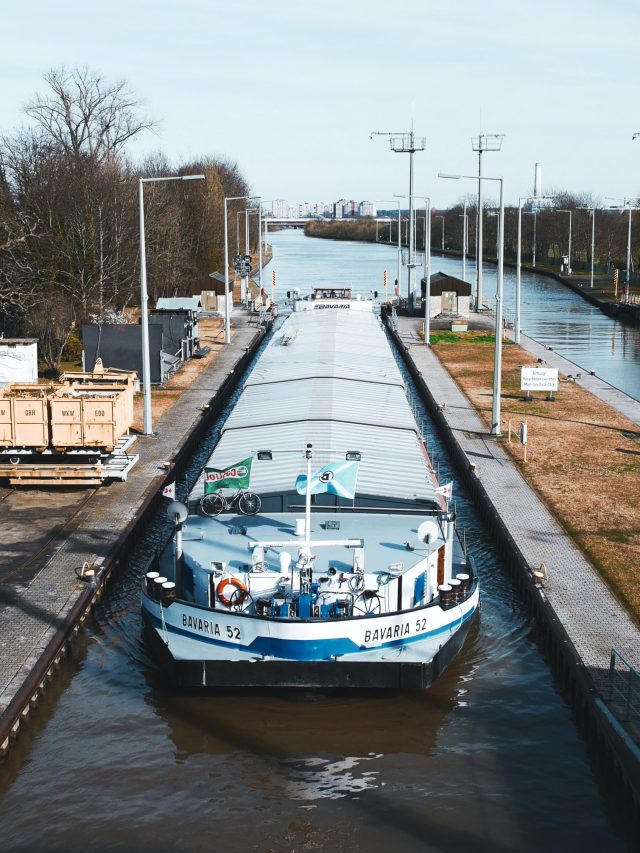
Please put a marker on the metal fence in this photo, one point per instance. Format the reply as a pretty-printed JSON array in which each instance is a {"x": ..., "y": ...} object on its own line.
[{"x": 624, "y": 687}]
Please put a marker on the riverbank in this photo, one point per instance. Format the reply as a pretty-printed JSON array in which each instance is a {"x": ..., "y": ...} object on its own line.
[
  {"x": 42, "y": 613},
  {"x": 583, "y": 621},
  {"x": 604, "y": 294}
]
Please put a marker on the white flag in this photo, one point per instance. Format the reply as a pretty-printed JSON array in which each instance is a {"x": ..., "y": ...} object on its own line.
[
  {"x": 446, "y": 491},
  {"x": 169, "y": 491}
]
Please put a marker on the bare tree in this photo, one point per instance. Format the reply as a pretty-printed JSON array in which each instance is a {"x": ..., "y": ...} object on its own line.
[
  {"x": 86, "y": 116},
  {"x": 69, "y": 242},
  {"x": 18, "y": 280}
]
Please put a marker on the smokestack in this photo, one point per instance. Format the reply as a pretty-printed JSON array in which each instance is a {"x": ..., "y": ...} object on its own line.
[{"x": 537, "y": 182}]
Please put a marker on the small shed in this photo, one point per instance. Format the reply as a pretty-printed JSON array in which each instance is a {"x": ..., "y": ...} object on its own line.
[
  {"x": 213, "y": 299},
  {"x": 448, "y": 295},
  {"x": 18, "y": 360},
  {"x": 180, "y": 333},
  {"x": 119, "y": 345}
]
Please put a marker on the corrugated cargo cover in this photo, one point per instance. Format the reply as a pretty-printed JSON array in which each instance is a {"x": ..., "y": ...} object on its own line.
[{"x": 335, "y": 384}]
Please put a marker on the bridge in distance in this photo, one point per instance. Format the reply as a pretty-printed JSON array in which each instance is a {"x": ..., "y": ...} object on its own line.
[{"x": 300, "y": 221}]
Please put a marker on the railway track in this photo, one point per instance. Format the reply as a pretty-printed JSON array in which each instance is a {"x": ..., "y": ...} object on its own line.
[{"x": 33, "y": 523}]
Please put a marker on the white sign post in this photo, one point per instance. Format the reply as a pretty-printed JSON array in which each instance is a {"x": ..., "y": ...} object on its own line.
[{"x": 524, "y": 437}]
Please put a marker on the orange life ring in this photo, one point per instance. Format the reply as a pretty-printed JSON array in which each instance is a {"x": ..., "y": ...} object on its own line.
[{"x": 239, "y": 586}]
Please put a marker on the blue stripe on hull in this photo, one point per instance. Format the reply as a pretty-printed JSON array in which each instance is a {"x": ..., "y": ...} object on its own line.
[{"x": 308, "y": 650}]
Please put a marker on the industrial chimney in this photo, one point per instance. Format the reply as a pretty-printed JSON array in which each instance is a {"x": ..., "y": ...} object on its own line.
[{"x": 537, "y": 182}]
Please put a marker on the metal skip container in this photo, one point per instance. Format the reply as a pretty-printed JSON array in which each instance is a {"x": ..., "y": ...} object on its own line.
[
  {"x": 24, "y": 417},
  {"x": 90, "y": 416}
]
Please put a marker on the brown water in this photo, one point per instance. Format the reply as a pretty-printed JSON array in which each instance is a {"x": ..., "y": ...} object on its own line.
[{"x": 489, "y": 759}]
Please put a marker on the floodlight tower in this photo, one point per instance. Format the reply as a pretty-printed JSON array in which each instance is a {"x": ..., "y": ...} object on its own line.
[
  {"x": 484, "y": 142},
  {"x": 406, "y": 143}
]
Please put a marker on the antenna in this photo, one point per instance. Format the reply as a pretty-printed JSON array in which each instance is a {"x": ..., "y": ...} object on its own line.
[{"x": 483, "y": 142}]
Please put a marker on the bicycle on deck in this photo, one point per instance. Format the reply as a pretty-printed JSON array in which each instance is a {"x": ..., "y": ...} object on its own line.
[{"x": 247, "y": 503}]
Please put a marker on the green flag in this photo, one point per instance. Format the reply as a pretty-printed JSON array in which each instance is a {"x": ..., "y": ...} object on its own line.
[{"x": 234, "y": 477}]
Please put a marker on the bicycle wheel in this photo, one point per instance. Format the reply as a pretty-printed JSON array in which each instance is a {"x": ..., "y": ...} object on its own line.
[
  {"x": 212, "y": 505},
  {"x": 367, "y": 604},
  {"x": 249, "y": 503}
]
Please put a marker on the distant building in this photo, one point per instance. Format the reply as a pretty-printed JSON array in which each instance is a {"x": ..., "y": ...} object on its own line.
[
  {"x": 338, "y": 208},
  {"x": 280, "y": 208},
  {"x": 350, "y": 209},
  {"x": 366, "y": 208}
]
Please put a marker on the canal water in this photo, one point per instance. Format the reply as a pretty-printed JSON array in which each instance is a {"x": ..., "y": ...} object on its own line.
[
  {"x": 551, "y": 313},
  {"x": 489, "y": 759}
]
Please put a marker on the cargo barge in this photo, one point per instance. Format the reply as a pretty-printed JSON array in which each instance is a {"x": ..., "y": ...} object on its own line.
[{"x": 317, "y": 548}]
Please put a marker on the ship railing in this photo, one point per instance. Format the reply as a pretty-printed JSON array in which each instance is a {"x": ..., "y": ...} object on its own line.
[{"x": 624, "y": 686}]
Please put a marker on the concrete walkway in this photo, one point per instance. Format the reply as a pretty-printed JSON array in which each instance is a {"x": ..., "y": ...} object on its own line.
[
  {"x": 593, "y": 618},
  {"x": 33, "y": 612}
]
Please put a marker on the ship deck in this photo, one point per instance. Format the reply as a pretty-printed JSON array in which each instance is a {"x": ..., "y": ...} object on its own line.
[{"x": 383, "y": 536}]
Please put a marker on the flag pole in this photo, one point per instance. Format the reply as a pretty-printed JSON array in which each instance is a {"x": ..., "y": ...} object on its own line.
[{"x": 307, "y": 522}]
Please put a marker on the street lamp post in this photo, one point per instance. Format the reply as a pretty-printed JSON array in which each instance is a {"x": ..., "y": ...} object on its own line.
[
  {"x": 255, "y": 211},
  {"x": 386, "y": 201},
  {"x": 227, "y": 319},
  {"x": 592, "y": 211},
  {"x": 628, "y": 272},
  {"x": 497, "y": 360},
  {"x": 484, "y": 142},
  {"x": 426, "y": 266},
  {"x": 442, "y": 218},
  {"x": 260, "y": 245},
  {"x": 144, "y": 298},
  {"x": 427, "y": 258},
  {"x": 627, "y": 202},
  {"x": 559, "y": 210},
  {"x": 516, "y": 331},
  {"x": 465, "y": 238},
  {"x": 244, "y": 284},
  {"x": 239, "y": 213},
  {"x": 516, "y": 335},
  {"x": 593, "y": 242},
  {"x": 427, "y": 271}
]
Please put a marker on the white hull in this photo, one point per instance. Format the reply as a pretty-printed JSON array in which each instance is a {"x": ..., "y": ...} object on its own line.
[{"x": 192, "y": 632}]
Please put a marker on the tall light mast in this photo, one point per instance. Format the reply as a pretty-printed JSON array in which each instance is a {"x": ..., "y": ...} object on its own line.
[
  {"x": 407, "y": 143},
  {"x": 484, "y": 142},
  {"x": 537, "y": 193}
]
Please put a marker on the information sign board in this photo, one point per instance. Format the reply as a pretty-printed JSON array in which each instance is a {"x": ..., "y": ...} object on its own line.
[{"x": 538, "y": 379}]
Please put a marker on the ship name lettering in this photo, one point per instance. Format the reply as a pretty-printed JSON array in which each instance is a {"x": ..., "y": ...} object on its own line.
[
  {"x": 392, "y": 632},
  {"x": 321, "y": 307},
  {"x": 202, "y": 625}
]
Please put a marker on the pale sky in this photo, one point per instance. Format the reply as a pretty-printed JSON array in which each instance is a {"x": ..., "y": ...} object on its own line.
[{"x": 291, "y": 89}]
